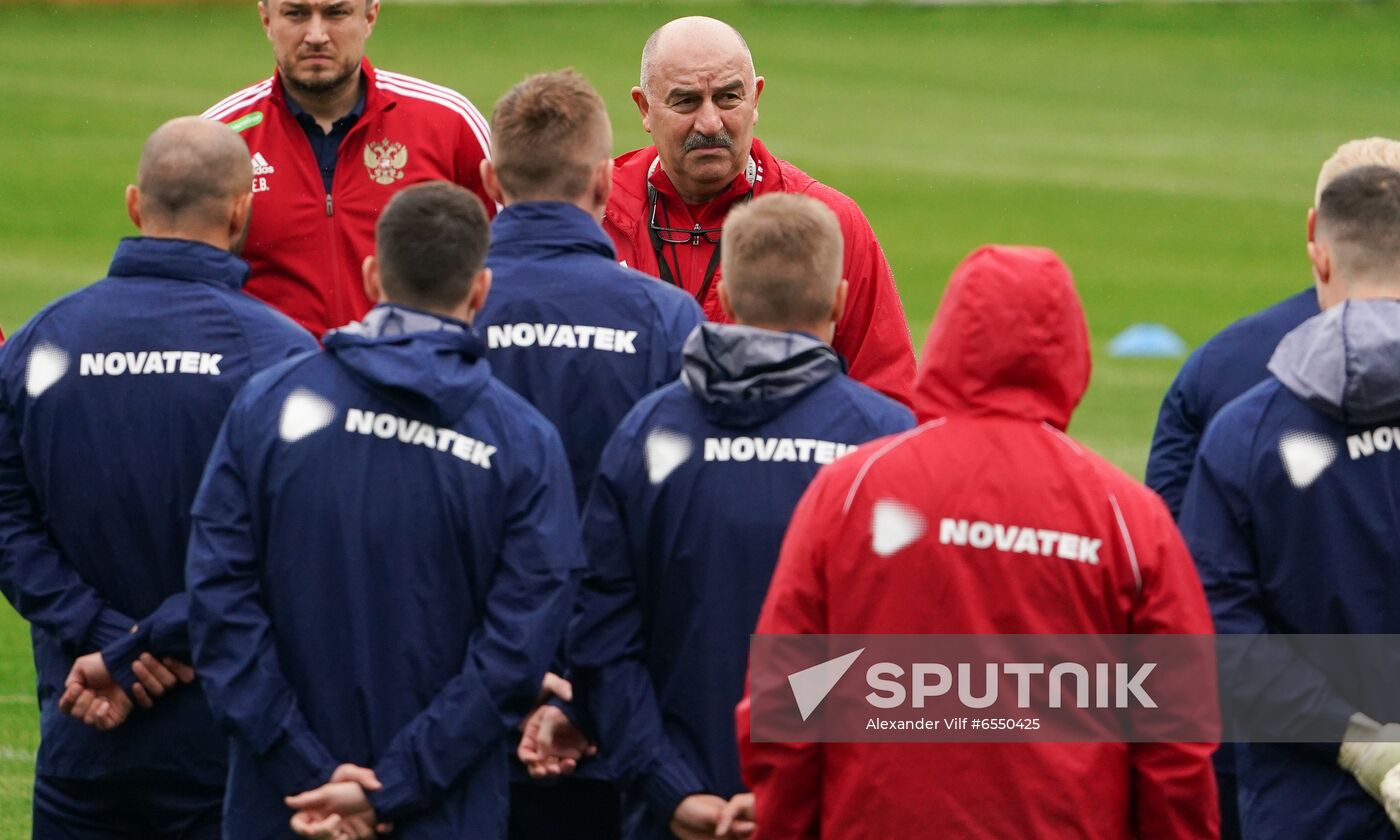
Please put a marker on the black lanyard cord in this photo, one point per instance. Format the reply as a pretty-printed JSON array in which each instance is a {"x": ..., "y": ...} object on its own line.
[{"x": 659, "y": 246}]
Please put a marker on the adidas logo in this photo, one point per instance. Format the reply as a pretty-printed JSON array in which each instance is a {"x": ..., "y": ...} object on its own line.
[{"x": 260, "y": 165}]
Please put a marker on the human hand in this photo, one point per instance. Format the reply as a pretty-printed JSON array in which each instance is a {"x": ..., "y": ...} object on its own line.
[
  {"x": 339, "y": 809},
  {"x": 697, "y": 817},
  {"x": 90, "y": 695},
  {"x": 157, "y": 676},
  {"x": 737, "y": 818},
  {"x": 550, "y": 745},
  {"x": 554, "y": 685}
]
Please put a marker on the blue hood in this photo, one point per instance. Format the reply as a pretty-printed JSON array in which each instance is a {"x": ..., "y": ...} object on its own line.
[
  {"x": 745, "y": 376},
  {"x": 177, "y": 259},
  {"x": 1343, "y": 361},
  {"x": 432, "y": 363},
  {"x": 541, "y": 226}
]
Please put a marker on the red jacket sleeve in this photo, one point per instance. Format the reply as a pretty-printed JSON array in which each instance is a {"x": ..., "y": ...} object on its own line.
[
  {"x": 1173, "y": 784},
  {"x": 873, "y": 334},
  {"x": 787, "y": 778}
]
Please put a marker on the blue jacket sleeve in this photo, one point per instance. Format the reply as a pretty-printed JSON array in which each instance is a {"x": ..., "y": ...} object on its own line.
[
  {"x": 163, "y": 633},
  {"x": 1261, "y": 677},
  {"x": 612, "y": 686},
  {"x": 234, "y": 652},
  {"x": 35, "y": 576},
  {"x": 1177, "y": 437},
  {"x": 527, "y": 610}
]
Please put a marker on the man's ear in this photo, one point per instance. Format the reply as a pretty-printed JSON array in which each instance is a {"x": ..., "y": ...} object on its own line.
[
  {"x": 639, "y": 96},
  {"x": 1312, "y": 223},
  {"x": 1321, "y": 258},
  {"x": 725, "y": 304},
  {"x": 757, "y": 92},
  {"x": 374, "y": 290},
  {"x": 266, "y": 16},
  {"x": 372, "y": 15},
  {"x": 133, "y": 205},
  {"x": 240, "y": 217},
  {"x": 838, "y": 307},
  {"x": 481, "y": 289},
  {"x": 602, "y": 185},
  {"x": 491, "y": 183}
]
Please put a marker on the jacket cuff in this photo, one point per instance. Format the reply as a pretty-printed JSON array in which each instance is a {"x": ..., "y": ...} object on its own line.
[
  {"x": 106, "y": 628},
  {"x": 401, "y": 794},
  {"x": 665, "y": 784},
  {"x": 296, "y": 763},
  {"x": 119, "y": 655}
]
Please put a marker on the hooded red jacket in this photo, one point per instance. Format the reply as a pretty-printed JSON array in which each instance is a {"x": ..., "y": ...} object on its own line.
[
  {"x": 306, "y": 247},
  {"x": 872, "y": 336},
  {"x": 1007, "y": 360}
]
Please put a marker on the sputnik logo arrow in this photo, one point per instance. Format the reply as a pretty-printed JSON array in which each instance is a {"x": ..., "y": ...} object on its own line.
[{"x": 811, "y": 685}]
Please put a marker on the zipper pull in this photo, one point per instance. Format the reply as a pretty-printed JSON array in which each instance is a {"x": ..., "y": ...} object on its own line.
[{"x": 330, "y": 208}]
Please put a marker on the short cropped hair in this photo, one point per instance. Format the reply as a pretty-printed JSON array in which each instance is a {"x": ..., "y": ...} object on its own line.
[
  {"x": 782, "y": 258},
  {"x": 1359, "y": 216},
  {"x": 548, "y": 135},
  {"x": 430, "y": 242},
  {"x": 1353, "y": 154}
]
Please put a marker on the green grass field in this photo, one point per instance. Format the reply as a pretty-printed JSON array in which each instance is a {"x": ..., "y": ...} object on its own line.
[{"x": 1168, "y": 152}]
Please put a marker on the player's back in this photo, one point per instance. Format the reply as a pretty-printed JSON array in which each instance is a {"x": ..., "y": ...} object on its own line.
[
  {"x": 117, "y": 392},
  {"x": 577, "y": 335},
  {"x": 390, "y": 475},
  {"x": 702, "y": 477}
]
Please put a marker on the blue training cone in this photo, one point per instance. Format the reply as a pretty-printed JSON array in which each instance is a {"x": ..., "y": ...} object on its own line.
[{"x": 1147, "y": 341}]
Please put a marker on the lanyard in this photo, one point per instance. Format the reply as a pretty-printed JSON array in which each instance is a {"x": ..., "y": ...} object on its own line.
[
  {"x": 673, "y": 276},
  {"x": 658, "y": 245}
]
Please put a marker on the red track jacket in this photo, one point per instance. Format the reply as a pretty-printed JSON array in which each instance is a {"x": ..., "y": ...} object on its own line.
[
  {"x": 306, "y": 247},
  {"x": 872, "y": 336},
  {"x": 1006, "y": 362}
]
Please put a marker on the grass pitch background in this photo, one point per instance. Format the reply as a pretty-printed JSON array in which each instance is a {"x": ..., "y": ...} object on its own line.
[{"x": 1167, "y": 152}]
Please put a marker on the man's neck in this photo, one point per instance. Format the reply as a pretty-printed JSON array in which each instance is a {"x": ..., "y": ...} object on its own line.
[
  {"x": 325, "y": 108},
  {"x": 212, "y": 238}
]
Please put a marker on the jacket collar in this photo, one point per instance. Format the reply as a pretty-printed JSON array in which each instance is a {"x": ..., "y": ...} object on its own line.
[
  {"x": 376, "y": 98},
  {"x": 638, "y": 169},
  {"x": 177, "y": 259},
  {"x": 553, "y": 223}
]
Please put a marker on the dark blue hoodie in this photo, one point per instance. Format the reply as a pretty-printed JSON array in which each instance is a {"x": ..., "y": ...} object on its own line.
[
  {"x": 579, "y": 336},
  {"x": 383, "y": 559},
  {"x": 682, "y": 530},
  {"x": 1230, "y": 363},
  {"x": 110, "y": 400},
  {"x": 1292, "y": 514}
]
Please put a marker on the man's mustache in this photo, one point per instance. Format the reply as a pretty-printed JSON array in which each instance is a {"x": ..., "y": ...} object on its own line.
[{"x": 721, "y": 140}]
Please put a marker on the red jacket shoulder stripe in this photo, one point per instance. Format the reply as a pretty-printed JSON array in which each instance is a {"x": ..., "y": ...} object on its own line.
[
  {"x": 882, "y": 452},
  {"x": 242, "y": 99},
  {"x": 455, "y": 102}
]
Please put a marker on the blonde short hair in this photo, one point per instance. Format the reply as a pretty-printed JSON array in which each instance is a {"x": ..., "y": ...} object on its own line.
[
  {"x": 1354, "y": 154},
  {"x": 548, "y": 135},
  {"x": 782, "y": 259}
]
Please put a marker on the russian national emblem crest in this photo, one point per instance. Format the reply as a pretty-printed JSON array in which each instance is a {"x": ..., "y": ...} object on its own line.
[{"x": 385, "y": 161}]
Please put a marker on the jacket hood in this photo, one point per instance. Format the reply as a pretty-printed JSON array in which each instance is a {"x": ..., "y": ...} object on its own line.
[
  {"x": 1343, "y": 361},
  {"x": 549, "y": 225},
  {"x": 177, "y": 259},
  {"x": 431, "y": 363},
  {"x": 745, "y": 376},
  {"x": 1009, "y": 339}
]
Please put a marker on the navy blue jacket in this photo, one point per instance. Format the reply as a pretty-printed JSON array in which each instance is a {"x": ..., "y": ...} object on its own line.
[
  {"x": 1230, "y": 363},
  {"x": 682, "y": 531},
  {"x": 110, "y": 400},
  {"x": 573, "y": 332},
  {"x": 384, "y": 555},
  {"x": 1292, "y": 514}
]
